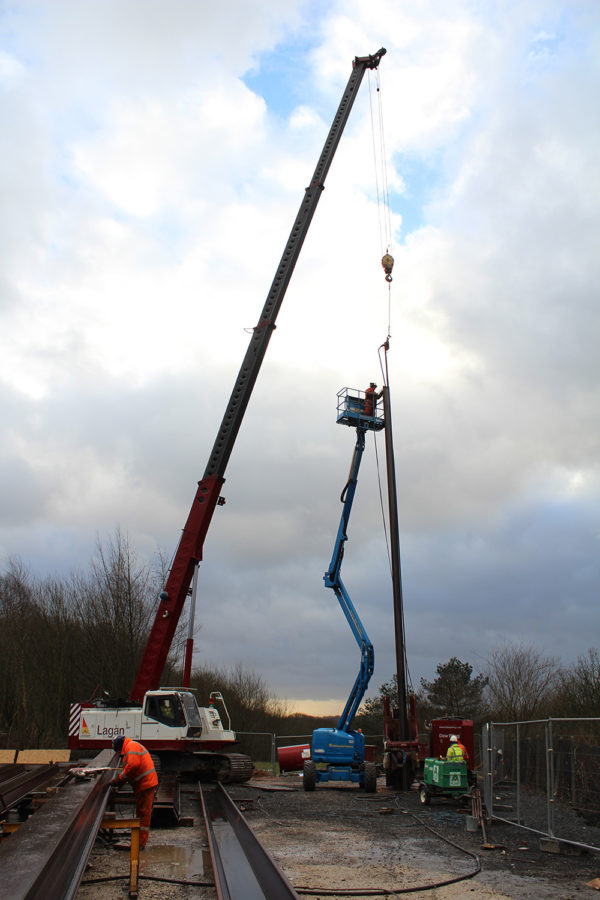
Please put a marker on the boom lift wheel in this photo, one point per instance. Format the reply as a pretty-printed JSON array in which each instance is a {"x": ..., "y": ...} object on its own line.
[
  {"x": 370, "y": 777},
  {"x": 310, "y": 775},
  {"x": 424, "y": 796}
]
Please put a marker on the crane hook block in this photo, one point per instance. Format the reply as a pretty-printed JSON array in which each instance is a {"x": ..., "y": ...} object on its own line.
[{"x": 388, "y": 264}]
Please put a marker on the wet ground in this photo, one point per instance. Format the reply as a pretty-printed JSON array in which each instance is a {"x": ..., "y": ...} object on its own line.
[{"x": 341, "y": 840}]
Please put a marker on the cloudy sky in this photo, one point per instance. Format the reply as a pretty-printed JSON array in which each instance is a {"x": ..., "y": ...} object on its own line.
[{"x": 154, "y": 155}]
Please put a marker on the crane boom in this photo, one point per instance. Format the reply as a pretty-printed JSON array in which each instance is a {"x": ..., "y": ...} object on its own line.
[{"x": 189, "y": 550}]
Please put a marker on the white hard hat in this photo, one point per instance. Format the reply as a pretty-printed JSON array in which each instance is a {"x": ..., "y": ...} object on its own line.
[{"x": 454, "y": 738}]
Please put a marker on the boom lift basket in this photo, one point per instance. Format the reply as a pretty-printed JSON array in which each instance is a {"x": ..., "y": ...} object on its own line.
[{"x": 351, "y": 410}]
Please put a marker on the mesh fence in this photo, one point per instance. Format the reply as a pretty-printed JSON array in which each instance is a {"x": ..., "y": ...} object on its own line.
[{"x": 544, "y": 776}]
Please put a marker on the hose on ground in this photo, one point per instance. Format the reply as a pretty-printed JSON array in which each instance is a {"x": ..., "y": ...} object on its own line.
[{"x": 390, "y": 892}]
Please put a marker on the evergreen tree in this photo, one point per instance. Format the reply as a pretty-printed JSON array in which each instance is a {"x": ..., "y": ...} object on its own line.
[{"x": 455, "y": 692}]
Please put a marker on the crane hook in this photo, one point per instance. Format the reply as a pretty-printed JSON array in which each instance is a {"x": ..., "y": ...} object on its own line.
[{"x": 388, "y": 264}]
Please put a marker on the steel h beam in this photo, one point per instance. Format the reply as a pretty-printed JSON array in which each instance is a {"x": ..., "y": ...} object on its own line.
[{"x": 48, "y": 855}]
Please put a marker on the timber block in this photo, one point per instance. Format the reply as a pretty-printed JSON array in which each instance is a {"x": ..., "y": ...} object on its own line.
[{"x": 43, "y": 757}]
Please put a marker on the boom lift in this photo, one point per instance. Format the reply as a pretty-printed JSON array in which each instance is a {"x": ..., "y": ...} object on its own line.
[
  {"x": 168, "y": 720},
  {"x": 338, "y": 754}
]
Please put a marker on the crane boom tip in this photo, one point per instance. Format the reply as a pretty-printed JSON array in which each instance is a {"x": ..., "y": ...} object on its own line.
[{"x": 371, "y": 61}]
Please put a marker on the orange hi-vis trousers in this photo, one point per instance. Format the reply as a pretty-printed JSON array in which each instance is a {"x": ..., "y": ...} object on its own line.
[{"x": 143, "y": 812}]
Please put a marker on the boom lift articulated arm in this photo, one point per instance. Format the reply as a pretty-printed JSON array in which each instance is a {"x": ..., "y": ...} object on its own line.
[
  {"x": 332, "y": 579},
  {"x": 189, "y": 551},
  {"x": 338, "y": 754}
]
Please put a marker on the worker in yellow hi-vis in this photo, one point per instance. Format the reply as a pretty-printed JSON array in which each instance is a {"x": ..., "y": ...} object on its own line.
[{"x": 456, "y": 752}]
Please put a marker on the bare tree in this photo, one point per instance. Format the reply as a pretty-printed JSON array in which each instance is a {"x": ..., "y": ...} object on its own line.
[
  {"x": 521, "y": 682},
  {"x": 36, "y": 659},
  {"x": 579, "y": 694},
  {"x": 62, "y": 639},
  {"x": 17, "y": 614},
  {"x": 114, "y": 606}
]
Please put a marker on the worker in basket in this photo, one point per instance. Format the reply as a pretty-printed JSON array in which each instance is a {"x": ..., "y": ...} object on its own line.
[
  {"x": 371, "y": 398},
  {"x": 138, "y": 770}
]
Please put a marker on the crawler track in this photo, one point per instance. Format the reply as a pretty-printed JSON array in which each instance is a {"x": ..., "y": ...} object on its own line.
[{"x": 242, "y": 867}]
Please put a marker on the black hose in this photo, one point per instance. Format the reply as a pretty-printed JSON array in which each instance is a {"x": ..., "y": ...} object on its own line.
[{"x": 390, "y": 892}]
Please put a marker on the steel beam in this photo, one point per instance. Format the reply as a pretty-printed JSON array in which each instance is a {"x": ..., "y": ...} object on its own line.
[
  {"x": 48, "y": 855},
  {"x": 16, "y": 782},
  {"x": 242, "y": 867}
]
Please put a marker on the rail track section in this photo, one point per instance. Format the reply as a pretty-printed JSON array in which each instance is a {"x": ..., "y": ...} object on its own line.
[
  {"x": 48, "y": 855},
  {"x": 242, "y": 867}
]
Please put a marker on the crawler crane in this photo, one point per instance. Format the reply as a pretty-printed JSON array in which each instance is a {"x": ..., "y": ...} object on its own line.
[{"x": 169, "y": 721}]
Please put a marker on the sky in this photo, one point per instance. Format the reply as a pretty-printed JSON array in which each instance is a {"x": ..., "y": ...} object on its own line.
[{"x": 154, "y": 156}]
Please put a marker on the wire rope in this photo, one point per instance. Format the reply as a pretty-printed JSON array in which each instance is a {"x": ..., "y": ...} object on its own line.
[{"x": 382, "y": 191}]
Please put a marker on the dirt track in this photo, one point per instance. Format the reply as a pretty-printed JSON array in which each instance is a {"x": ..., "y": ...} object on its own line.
[{"x": 339, "y": 839}]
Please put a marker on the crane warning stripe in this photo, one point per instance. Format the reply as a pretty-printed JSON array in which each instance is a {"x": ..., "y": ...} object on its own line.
[{"x": 74, "y": 719}]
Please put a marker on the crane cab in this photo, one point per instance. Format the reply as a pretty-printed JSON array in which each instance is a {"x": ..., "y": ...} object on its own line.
[{"x": 353, "y": 410}]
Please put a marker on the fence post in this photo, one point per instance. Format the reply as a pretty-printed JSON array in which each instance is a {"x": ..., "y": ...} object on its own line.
[
  {"x": 518, "y": 776},
  {"x": 550, "y": 777},
  {"x": 488, "y": 773},
  {"x": 273, "y": 754}
]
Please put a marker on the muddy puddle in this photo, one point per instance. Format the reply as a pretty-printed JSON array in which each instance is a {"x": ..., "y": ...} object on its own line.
[{"x": 187, "y": 863}]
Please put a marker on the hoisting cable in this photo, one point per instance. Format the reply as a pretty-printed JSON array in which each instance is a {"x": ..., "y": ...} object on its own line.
[
  {"x": 382, "y": 505},
  {"x": 387, "y": 261},
  {"x": 382, "y": 187}
]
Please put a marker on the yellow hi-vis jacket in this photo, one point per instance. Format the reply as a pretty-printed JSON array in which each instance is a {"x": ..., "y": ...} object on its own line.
[{"x": 457, "y": 753}]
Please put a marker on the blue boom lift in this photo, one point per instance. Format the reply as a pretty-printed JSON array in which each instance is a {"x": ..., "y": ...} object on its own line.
[{"x": 338, "y": 754}]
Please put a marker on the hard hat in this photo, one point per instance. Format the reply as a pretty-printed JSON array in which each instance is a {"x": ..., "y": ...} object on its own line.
[
  {"x": 118, "y": 742},
  {"x": 454, "y": 738}
]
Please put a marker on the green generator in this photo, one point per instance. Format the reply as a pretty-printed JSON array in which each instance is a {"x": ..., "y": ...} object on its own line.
[{"x": 443, "y": 778}]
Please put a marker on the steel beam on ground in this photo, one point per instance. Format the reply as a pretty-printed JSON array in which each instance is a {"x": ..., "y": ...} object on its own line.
[
  {"x": 16, "y": 782},
  {"x": 166, "y": 807},
  {"x": 242, "y": 867},
  {"x": 48, "y": 855}
]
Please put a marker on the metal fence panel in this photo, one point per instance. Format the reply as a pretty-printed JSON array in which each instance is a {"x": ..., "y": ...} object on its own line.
[{"x": 549, "y": 772}]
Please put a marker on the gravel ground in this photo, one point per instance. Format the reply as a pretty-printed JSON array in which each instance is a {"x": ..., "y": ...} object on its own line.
[{"x": 340, "y": 839}]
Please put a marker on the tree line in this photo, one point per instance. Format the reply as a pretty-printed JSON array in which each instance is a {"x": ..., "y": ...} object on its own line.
[
  {"x": 517, "y": 683},
  {"x": 77, "y": 637},
  {"x": 71, "y": 638}
]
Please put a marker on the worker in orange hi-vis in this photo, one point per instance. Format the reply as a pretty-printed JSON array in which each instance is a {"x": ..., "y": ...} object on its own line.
[
  {"x": 371, "y": 399},
  {"x": 138, "y": 770}
]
